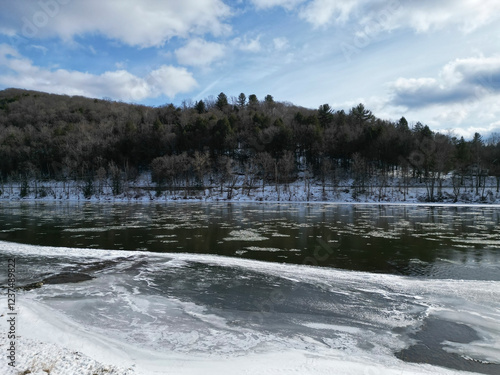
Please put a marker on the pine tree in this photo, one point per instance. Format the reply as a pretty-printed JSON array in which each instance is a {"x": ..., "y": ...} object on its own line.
[
  {"x": 221, "y": 102},
  {"x": 242, "y": 100}
]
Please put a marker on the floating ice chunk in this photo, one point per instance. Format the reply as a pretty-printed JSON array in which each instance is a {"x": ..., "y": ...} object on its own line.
[
  {"x": 256, "y": 248},
  {"x": 280, "y": 235},
  {"x": 102, "y": 229},
  {"x": 333, "y": 327},
  {"x": 244, "y": 235}
]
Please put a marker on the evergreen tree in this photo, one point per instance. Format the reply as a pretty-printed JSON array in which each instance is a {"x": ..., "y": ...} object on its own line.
[
  {"x": 402, "y": 124},
  {"x": 269, "y": 99},
  {"x": 242, "y": 100},
  {"x": 221, "y": 102},
  {"x": 200, "y": 107},
  {"x": 325, "y": 115},
  {"x": 361, "y": 115},
  {"x": 253, "y": 102}
]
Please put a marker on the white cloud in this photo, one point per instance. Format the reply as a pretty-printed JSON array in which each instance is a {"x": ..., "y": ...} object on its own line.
[
  {"x": 464, "y": 97},
  {"x": 421, "y": 16},
  {"x": 287, "y": 4},
  {"x": 170, "y": 80},
  {"x": 42, "y": 49},
  {"x": 468, "y": 132},
  {"x": 120, "y": 84},
  {"x": 120, "y": 65},
  {"x": 144, "y": 24},
  {"x": 429, "y": 15},
  {"x": 252, "y": 45},
  {"x": 462, "y": 80},
  {"x": 408, "y": 92},
  {"x": 481, "y": 71},
  {"x": 323, "y": 12},
  {"x": 8, "y": 55},
  {"x": 280, "y": 43},
  {"x": 198, "y": 52}
]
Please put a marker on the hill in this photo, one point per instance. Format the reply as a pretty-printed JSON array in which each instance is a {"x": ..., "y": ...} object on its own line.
[{"x": 220, "y": 141}]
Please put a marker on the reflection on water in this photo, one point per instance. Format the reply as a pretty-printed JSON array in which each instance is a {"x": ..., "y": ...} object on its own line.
[{"x": 431, "y": 241}]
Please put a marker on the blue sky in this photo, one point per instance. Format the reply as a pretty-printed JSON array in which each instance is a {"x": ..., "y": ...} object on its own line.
[{"x": 437, "y": 62}]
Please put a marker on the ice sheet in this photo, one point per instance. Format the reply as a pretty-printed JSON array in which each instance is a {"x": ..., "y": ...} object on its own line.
[
  {"x": 194, "y": 336},
  {"x": 48, "y": 340}
]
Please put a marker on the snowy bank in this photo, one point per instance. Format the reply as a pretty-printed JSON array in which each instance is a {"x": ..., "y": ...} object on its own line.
[{"x": 143, "y": 190}]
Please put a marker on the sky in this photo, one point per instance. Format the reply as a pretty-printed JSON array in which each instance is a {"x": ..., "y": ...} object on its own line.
[{"x": 436, "y": 62}]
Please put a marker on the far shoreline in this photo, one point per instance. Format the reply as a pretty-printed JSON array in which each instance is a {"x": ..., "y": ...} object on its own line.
[
  {"x": 143, "y": 190},
  {"x": 250, "y": 201}
]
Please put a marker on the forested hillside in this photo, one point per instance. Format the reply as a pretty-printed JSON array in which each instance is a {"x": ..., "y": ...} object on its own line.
[{"x": 218, "y": 140}]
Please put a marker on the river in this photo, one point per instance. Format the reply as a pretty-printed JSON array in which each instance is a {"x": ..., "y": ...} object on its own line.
[{"x": 398, "y": 284}]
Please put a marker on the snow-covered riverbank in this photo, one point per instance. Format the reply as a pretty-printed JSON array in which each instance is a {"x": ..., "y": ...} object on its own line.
[{"x": 142, "y": 190}]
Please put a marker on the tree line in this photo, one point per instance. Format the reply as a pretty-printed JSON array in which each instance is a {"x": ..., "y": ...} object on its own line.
[{"x": 225, "y": 140}]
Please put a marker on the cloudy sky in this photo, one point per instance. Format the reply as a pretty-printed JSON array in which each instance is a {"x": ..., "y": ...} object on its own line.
[{"x": 437, "y": 62}]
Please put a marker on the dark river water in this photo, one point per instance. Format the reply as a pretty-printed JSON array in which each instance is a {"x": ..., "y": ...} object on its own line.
[
  {"x": 416, "y": 284},
  {"x": 429, "y": 241}
]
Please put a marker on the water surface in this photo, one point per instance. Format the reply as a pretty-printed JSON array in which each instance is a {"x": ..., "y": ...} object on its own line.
[
  {"x": 431, "y": 241},
  {"x": 417, "y": 284}
]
